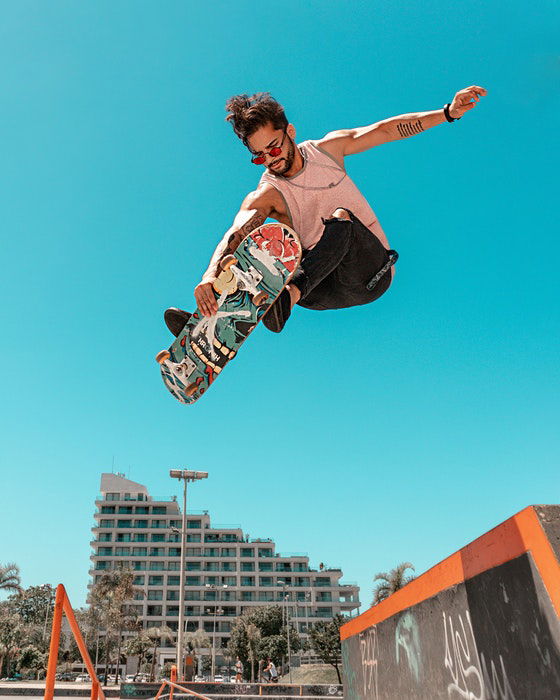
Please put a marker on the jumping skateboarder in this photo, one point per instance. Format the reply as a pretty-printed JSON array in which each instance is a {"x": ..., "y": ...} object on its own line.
[{"x": 347, "y": 260}]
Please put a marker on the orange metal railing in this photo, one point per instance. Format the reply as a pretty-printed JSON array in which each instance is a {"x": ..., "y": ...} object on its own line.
[
  {"x": 62, "y": 605},
  {"x": 173, "y": 685}
]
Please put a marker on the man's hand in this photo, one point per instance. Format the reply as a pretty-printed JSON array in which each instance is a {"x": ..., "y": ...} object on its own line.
[
  {"x": 466, "y": 99},
  {"x": 205, "y": 299}
]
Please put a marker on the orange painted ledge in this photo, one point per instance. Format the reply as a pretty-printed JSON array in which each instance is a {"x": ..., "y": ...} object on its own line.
[{"x": 518, "y": 535}]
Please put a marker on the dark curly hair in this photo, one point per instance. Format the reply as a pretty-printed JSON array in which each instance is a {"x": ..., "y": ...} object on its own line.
[{"x": 247, "y": 113}]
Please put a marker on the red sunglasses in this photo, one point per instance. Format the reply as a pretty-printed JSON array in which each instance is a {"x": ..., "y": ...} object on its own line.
[{"x": 260, "y": 158}]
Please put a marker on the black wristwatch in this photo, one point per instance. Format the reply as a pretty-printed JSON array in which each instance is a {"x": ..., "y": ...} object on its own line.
[{"x": 447, "y": 115}]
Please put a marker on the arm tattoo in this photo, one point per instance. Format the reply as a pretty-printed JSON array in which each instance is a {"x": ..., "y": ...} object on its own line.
[{"x": 408, "y": 129}]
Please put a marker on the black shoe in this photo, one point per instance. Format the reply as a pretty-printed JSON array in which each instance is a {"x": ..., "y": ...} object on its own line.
[
  {"x": 276, "y": 317},
  {"x": 176, "y": 319}
]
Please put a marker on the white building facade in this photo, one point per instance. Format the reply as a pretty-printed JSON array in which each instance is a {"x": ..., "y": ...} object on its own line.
[{"x": 226, "y": 573}]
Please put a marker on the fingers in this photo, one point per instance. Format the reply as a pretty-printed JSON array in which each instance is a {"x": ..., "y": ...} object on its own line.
[{"x": 205, "y": 299}]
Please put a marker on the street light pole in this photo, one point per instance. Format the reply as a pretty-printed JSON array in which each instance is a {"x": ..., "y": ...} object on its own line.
[{"x": 185, "y": 476}]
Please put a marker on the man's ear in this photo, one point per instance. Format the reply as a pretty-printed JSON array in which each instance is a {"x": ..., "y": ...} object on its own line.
[{"x": 291, "y": 131}]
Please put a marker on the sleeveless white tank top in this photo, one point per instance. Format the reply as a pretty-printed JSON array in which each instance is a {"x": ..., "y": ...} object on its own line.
[{"x": 313, "y": 194}]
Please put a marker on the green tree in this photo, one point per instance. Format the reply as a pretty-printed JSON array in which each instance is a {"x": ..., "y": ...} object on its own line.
[
  {"x": 391, "y": 582},
  {"x": 111, "y": 596},
  {"x": 195, "y": 642},
  {"x": 138, "y": 646},
  {"x": 10, "y": 580},
  {"x": 324, "y": 638},
  {"x": 269, "y": 639},
  {"x": 158, "y": 635},
  {"x": 35, "y": 604}
]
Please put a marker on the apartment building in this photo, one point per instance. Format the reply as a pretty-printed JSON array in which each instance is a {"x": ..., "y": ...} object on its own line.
[{"x": 226, "y": 572}]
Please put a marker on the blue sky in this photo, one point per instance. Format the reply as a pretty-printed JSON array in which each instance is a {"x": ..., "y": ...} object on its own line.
[{"x": 366, "y": 437}]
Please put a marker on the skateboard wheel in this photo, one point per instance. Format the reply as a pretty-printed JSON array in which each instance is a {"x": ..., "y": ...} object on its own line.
[
  {"x": 260, "y": 298},
  {"x": 191, "y": 389},
  {"x": 228, "y": 261},
  {"x": 162, "y": 356}
]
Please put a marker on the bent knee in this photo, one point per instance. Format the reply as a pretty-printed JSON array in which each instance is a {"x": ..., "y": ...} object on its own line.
[{"x": 341, "y": 214}]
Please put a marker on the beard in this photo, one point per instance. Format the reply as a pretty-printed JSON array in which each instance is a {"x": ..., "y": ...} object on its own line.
[{"x": 288, "y": 160}]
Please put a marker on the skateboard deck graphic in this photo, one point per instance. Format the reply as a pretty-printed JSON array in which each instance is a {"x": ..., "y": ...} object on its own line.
[{"x": 249, "y": 282}]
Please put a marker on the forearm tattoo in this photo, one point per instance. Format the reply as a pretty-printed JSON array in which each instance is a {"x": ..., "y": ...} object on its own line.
[{"x": 409, "y": 129}]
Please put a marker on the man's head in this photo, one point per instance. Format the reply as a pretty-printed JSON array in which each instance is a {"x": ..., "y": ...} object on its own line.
[{"x": 261, "y": 124}]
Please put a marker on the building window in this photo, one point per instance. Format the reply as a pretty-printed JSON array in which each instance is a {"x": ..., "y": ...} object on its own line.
[
  {"x": 123, "y": 537},
  {"x": 265, "y": 552},
  {"x": 247, "y": 580},
  {"x": 154, "y": 610},
  {"x": 155, "y": 595},
  {"x": 106, "y": 523},
  {"x": 194, "y": 524},
  {"x": 174, "y": 551},
  {"x": 228, "y": 552},
  {"x": 141, "y": 523},
  {"x": 229, "y": 580},
  {"x": 247, "y": 566},
  {"x": 138, "y": 580},
  {"x": 159, "y": 524},
  {"x": 159, "y": 510},
  {"x": 139, "y": 565},
  {"x": 173, "y": 566},
  {"x": 245, "y": 552},
  {"x": 142, "y": 510},
  {"x": 229, "y": 566},
  {"x": 265, "y": 581},
  {"x": 193, "y": 538},
  {"x": 173, "y": 580},
  {"x": 211, "y": 552},
  {"x": 155, "y": 581},
  {"x": 140, "y": 551},
  {"x": 122, "y": 551},
  {"x": 158, "y": 537},
  {"x": 112, "y": 497},
  {"x": 125, "y": 509},
  {"x": 193, "y": 566},
  {"x": 192, "y": 581},
  {"x": 157, "y": 551},
  {"x": 140, "y": 537},
  {"x": 107, "y": 509},
  {"x": 265, "y": 566},
  {"x": 105, "y": 537},
  {"x": 192, "y": 595},
  {"x": 247, "y": 596},
  {"x": 157, "y": 566},
  {"x": 172, "y": 595},
  {"x": 193, "y": 552},
  {"x": 105, "y": 551},
  {"x": 124, "y": 523}
]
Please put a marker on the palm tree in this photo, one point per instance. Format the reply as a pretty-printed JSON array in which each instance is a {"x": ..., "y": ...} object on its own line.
[
  {"x": 138, "y": 646},
  {"x": 158, "y": 635},
  {"x": 253, "y": 639},
  {"x": 110, "y": 595},
  {"x": 196, "y": 641},
  {"x": 391, "y": 582},
  {"x": 10, "y": 579}
]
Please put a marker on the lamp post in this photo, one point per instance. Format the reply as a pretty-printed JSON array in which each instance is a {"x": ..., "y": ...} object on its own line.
[
  {"x": 217, "y": 611},
  {"x": 286, "y": 598},
  {"x": 184, "y": 475}
]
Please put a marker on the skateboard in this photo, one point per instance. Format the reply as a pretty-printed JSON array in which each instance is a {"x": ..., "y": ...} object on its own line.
[{"x": 249, "y": 281}]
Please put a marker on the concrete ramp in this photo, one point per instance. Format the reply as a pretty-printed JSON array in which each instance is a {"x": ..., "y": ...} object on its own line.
[{"x": 484, "y": 624}]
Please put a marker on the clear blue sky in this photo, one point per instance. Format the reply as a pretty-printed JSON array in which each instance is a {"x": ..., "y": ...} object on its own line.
[{"x": 366, "y": 437}]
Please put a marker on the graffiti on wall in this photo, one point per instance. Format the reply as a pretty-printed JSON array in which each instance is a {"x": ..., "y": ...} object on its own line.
[
  {"x": 471, "y": 679},
  {"x": 369, "y": 653},
  {"x": 407, "y": 644}
]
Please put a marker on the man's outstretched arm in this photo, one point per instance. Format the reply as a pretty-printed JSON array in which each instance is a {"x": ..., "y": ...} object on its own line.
[
  {"x": 255, "y": 209},
  {"x": 349, "y": 141}
]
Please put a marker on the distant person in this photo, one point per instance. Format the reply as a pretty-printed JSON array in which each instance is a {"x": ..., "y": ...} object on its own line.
[
  {"x": 272, "y": 672},
  {"x": 346, "y": 260},
  {"x": 238, "y": 671}
]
